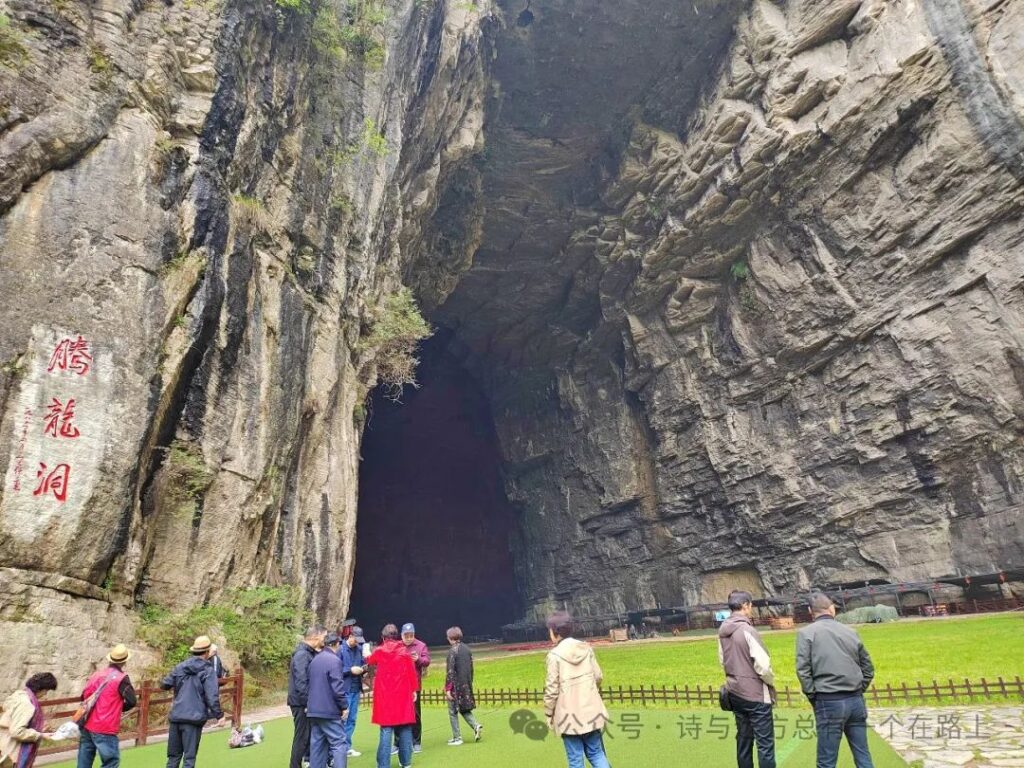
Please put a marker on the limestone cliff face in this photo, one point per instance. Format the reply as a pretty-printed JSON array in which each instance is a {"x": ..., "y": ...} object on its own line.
[
  {"x": 743, "y": 281},
  {"x": 781, "y": 343},
  {"x": 202, "y": 205}
]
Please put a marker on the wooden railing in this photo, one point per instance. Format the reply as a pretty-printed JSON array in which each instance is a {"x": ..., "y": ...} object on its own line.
[
  {"x": 1000, "y": 689},
  {"x": 149, "y": 717}
]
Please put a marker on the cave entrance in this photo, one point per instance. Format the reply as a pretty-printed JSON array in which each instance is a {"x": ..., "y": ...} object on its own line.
[{"x": 435, "y": 529}]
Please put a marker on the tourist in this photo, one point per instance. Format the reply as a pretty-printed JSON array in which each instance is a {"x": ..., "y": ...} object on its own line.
[
  {"x": 298, "y": 691},
  {"x": 22, "y": 724},
  {"x": 351, "y": 655},
  {"x": 458, "y": 687},
  {"x": 421, "y": 658},
  {"x": 196, "y": 700},
  {"x": 750, "y": 682},
  {"x": 834, "y": 670},
  {"x": 325, "y": 705},
  {"x": 631, "y": 632},
  {"x": 108, "y": 693},
  {"x": 572, "y": 695},
  {"x": 218, "y": 666},
  {"x": 395, "y": 687}
]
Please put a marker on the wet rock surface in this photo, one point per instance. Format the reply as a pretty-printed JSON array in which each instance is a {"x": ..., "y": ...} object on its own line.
[{"x": 741, "y": 281}]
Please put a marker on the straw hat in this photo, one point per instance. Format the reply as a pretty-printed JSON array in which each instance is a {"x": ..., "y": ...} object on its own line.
[
  {"x": 119, "y": 654},
  {"x": 201, "y": 645}
]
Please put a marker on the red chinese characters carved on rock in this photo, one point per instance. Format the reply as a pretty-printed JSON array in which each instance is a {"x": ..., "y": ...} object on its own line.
[
  {"x": 71, "y": 355},
  {"x": 59, "y": 419},
  {"x": 53, "y": 482}
]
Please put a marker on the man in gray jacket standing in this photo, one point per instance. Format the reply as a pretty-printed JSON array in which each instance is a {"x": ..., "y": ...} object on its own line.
[
  {"x": 750, "y": 682},
  {"x": 834, "y": 670}
]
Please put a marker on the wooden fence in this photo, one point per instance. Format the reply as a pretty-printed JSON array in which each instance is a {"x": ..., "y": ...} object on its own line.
[
  {"x": 981, "y": 690},
  {"x": 149, "y": 717}
]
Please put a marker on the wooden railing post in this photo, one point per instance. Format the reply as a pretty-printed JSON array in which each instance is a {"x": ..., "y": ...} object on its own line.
[
  {"x": 236, "y": 709},
  {"x": 143, "y": 729}
]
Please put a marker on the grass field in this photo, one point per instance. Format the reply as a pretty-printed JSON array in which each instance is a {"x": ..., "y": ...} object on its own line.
[
  {"x": 659, "y": 741},
  {"x": 903, "y": 652}
]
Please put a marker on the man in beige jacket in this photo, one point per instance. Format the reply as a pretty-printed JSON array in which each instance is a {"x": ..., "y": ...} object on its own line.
[{"x": 572, "y": 696}]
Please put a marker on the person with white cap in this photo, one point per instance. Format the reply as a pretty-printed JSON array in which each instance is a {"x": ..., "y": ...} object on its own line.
[
  {"x": 107, "y": 694},
  {"x": 421, "y": 658},
  {"x": 196, "y": 700}
]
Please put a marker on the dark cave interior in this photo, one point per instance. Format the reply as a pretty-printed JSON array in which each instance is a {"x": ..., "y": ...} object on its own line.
[{"x": 435, "y": 531}]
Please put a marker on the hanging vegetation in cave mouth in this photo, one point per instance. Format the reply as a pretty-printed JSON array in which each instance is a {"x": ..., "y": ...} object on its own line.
[{"x": 738, "y": 282}]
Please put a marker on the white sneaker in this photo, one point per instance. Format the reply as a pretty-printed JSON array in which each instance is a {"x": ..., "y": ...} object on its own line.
[
  {"x": 454, "y": 742},
  {"x": 479, "y": 732},
  {"x": 353, "y": 753},
  {"x": 394, "y": 750},
  {"x": 417, "y": 748}
]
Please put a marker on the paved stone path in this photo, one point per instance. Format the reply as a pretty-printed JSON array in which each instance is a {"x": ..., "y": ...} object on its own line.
[{"x": 982, "y": 736}]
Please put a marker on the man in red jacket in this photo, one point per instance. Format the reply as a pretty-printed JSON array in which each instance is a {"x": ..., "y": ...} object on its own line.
[
  {"x": 116, "y": 695},
  {"x": 394, "y": 696}
]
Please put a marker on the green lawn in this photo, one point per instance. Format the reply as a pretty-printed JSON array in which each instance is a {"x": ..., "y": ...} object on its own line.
[
  {"x": 659, "y": 740},
  {"x": 903, "y": 652}
]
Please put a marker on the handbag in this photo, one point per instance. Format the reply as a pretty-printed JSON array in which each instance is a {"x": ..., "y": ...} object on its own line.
[
  {"x": 83, "y": 712},
  {"x": 723, "y": 699}
]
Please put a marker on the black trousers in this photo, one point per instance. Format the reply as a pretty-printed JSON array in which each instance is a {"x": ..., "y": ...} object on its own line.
[
  {"x": 417, "y": 729},
  {"x": 183, "y": 744},
  {"x": 754, "y": 722},
  {"x": 300, "y": 741}
]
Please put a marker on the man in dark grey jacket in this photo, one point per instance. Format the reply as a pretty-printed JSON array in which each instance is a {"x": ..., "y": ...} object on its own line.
[
  {"x": 834, "y": 670},
  {"x": 196, "y": 700},
  {"x": 750, "y": 682},
  {"x": 298, "y": 691}
]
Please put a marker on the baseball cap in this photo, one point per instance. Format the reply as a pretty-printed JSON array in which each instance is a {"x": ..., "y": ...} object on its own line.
[
  {"x": 357, "y": 633},
  {"x": 408, "y": 628},
  {"x": 332, "y": 639}
]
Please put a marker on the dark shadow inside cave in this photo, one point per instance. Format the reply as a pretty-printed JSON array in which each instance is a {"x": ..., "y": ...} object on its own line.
[{"x": 434, "y": 532}]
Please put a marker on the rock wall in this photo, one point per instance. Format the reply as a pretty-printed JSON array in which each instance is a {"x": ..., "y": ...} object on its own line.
[
  {"x": 784, "y": 340},
  {"x": 203, "y": 203}
]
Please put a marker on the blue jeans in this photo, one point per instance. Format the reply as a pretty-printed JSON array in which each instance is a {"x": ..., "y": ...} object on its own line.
[
  {"x": 754, "y": 722},
  {"x": 843, "y": 716},
  {"x": 327, "y": 739},
  {"x": 590, "y": 744},
  {"x": 108, "y": 747},
  {"x": 403, "y": 733},
  {"x": 353, "y": 711}
]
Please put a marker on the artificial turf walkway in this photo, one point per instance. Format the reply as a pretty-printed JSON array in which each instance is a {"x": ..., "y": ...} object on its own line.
[
  {"x": 662, "y": 738},
  {"x": 903, "y": 652}
]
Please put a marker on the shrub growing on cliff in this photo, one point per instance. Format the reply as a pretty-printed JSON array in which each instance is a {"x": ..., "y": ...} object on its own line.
[
  {"x": 12, "y": 51},
  {"x": 395, "y": 330},
  {"x": 260, "y": 624}
]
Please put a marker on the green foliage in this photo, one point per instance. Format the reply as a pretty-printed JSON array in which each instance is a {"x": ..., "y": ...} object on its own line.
[
  {"x": 364, "y": 34},
  {"x": 260, "y": 624},
  {"x": 297, "y": 6},
  {"x": 13, "y": 52},
  {"x": 187, "y": 476},
  {"x": 99, "y": 63},
  {"x": 740, "y": 270},
  {"x": 15, "y": 367},
  {"x": 395, "y": 330},
  {"x": 373, "y": 139},
  {"x": 328, "y": 35},
  {"x": 869, "y": 614},
  {"x": 251, "y": 212}
]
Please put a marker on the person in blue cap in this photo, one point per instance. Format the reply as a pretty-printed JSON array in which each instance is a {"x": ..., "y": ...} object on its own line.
[{"x": 421, "y": 658}]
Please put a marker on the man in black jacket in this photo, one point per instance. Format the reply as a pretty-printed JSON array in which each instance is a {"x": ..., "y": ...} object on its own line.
[
  {"x": 196, "y": 700},
  {"x": 834, "y": 670},
  {"x": 298, "y": 691}
]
